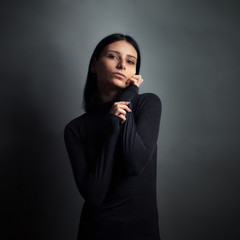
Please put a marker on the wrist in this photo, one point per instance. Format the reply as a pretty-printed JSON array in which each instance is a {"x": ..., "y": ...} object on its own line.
[{"x": 128, "y": 93}]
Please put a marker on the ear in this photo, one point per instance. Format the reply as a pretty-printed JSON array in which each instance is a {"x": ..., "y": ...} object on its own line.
[{"x": 93, "y": 65}]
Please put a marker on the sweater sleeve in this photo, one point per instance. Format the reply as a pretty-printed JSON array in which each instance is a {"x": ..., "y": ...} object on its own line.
[
  {"x": 140, "y": 132},
  {"x": 129, "y": 93},
  {"x": 92, "y": 182}
]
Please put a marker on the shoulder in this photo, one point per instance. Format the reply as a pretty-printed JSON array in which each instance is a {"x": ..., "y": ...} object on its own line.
[
  {"x": 148, "y": 105},
  {"x": 76, "y": 126},
  {"x": 76, "y": 121},
  {"x": 148, "y": 99}
]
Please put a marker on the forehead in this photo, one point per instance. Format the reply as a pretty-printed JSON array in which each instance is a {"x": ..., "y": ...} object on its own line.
[{"x": 122, "y": 47}]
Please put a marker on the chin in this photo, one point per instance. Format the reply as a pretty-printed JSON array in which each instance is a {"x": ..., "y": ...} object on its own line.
[
  {"x": 123, "y": 86},
  {"x": 120, "y": 84}
]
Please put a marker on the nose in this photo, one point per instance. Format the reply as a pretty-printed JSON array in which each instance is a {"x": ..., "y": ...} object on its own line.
[{"x": 121, "y": 65}]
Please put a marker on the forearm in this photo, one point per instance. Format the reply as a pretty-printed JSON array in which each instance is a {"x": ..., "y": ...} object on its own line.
[
  {"x": 139, "y": 137},
  {"x": 95, "y": 186},
  {"x": 92, "y": 180}
]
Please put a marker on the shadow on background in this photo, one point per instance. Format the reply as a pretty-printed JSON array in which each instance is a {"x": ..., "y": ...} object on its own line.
[{"x": 36, "y": 199}]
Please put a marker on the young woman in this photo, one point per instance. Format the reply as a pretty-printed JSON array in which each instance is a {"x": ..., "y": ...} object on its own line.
[{"x": 113, "y": 147}]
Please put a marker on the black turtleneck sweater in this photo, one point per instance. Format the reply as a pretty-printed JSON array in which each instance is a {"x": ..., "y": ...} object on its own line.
[{"x": 114, "y": 166}]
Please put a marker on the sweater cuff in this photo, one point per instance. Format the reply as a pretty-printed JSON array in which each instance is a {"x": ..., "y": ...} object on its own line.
[
  {"x": 115, "y": 120},
  {"x": 128, "y": 93}
]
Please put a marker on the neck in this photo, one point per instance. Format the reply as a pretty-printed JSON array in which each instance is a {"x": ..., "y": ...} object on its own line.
[{"x": 108, "y": 96}]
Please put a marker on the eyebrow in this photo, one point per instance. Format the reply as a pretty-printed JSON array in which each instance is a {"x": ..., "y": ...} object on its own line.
[{"x": 129, "y": 55}]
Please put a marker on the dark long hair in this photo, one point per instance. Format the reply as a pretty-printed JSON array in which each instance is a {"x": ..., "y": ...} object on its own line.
[{"x": 91, "y": 82}]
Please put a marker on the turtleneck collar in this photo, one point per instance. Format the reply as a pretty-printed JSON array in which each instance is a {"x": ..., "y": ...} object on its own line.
[{"x": 97, "y": 106}]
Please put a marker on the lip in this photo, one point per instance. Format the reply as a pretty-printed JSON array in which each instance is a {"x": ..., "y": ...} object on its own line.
[{"x": 118, "y": 74}]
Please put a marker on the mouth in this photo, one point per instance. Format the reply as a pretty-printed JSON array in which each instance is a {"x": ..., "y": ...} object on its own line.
[{"x": 118, "y": 74}]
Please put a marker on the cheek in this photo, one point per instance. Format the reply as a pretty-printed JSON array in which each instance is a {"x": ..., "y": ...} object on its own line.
[
  {"x": 132, "y": 72},
  {"x": 104, "y": 67},
  {"x": 104, "y": 72}
]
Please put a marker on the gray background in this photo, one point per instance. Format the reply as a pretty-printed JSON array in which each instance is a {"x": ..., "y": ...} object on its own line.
[{"x": 190, "y": 52}]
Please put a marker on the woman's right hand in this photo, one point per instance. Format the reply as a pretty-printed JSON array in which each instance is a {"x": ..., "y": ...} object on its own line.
[
  {"x": 136, "y": 80},
  {"x": 120, "y": 109}
]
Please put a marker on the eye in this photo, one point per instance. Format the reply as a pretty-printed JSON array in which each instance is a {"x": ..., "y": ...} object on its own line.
[
  {"x": 111, "y": 56},
  {"x": 131, "y": 62}
]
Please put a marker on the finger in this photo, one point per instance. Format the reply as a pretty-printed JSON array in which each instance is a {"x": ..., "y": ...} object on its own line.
[
  {"x": 121, "y": 112},
  {"x": 126, "y": 108},
  {"x": 133, "y": 81},
  {"x": 137, "y": 76},
  {"x": 122, "y": 102},
  {"x": 122, "y": 117},
  {"x": 120, "y": 108},
  {"x": 129, "y": 81},
  {"x": 137, "y": 80},
  {"x": 140, "y": 80},
  {"x": 116, "y": 104}
]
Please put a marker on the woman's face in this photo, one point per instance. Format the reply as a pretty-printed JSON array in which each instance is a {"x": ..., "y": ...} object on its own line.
[{"x": 116, "y": 64}]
